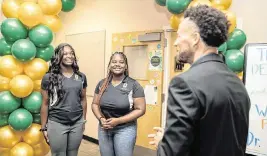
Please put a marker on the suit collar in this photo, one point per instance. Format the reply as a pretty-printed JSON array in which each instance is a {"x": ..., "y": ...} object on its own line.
[{"x": 207, "y": 58}]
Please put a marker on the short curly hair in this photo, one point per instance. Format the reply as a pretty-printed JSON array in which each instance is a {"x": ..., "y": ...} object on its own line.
[{"x": 212, "y": 24}]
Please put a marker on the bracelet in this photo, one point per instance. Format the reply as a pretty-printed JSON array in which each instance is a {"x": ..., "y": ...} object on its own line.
[
  {"x": 43, "y": 129},
  {"x": 84, "y": 121},
  {"x": 100, "y": 118}
]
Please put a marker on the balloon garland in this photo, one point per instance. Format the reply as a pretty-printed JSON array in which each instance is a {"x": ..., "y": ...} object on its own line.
[
  {"x": 234, "y": 58},
  {"x": 25, "y": 50}
]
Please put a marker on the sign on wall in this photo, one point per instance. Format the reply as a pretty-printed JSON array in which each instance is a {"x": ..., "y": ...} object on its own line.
[
  {"x": 155, "y": 60},
  {"x": 255, "y": 79}
]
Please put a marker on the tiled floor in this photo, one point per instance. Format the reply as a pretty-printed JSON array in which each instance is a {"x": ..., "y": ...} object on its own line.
[{"x": 91, "y": 149}]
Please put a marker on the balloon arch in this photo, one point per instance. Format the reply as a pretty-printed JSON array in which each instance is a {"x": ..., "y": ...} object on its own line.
[
  {"x": 237, "y": 38},
  {"x": 25, "y": 50}
]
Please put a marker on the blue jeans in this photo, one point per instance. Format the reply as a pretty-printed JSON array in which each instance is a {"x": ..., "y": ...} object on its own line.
[{"x": 118, "y": 141}]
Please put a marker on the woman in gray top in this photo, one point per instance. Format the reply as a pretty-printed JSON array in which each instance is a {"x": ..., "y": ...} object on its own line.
[
  {"x": 119, "y": 100},
  {"x": 63, "y": 111}
]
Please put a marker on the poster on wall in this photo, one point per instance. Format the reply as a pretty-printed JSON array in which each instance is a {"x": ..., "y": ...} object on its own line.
[
  {"x": 155, "y": 60},
  {"x": 151, "y": 94},
  {"x": 255, "y": 79}
]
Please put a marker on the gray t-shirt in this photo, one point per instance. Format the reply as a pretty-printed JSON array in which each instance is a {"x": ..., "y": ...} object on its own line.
[
  {"x": 69, "y": 109},
  {"x": 117, "y": 101}
]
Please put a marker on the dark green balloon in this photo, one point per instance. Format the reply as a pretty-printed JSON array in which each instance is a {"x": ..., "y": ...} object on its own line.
[
  {"x": 3, "y": 119},
  {"x": 36, "y": 118},
  {"x": 20, "y": 119},
  {"x": 68, "y": 5},
  {"x": 235, "y": 60},
  {"x": 12, "y": 30},
  {"x": 8, "y": 102},
  {"x": 23, "y": 50},
  {"x": 223, "y": 48},
  {"x": 177, "y": 6},
  {"x": 161, "y": 2},
  {"x": 41, "y": 36},
  {"x": 45, "y": 53},
  {"x": 33, "y": 102},
  {"x": 236, "y": 40},
  {"x": 5, "y": 48}
]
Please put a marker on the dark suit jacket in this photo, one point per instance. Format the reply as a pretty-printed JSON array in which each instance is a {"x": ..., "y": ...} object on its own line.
[{"x": 208, "y": 112}]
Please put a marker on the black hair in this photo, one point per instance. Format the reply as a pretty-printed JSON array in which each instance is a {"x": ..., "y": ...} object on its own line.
[
  {"x": 110, "y": 74},
  {"x": 212, "y": 23},
  {"x": 55, "y": 76}
]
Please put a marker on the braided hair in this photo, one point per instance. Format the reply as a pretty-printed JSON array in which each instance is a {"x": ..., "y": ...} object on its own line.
[
  {"x": 55, "y": 76},
  {"x": 110, "y": 74}
]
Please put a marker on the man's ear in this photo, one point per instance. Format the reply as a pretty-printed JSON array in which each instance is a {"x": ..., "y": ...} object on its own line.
[{"x": 196, "y": 38}]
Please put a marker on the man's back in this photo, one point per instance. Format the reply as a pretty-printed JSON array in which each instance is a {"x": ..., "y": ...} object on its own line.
[
  {"x": 217, "y": 123},
  {"x": 223, "y": 127}
]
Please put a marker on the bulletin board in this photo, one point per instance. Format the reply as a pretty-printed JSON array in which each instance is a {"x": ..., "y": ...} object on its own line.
[
  {"x": 90, "y": 52},
  {"x": 254, "y": 77}
]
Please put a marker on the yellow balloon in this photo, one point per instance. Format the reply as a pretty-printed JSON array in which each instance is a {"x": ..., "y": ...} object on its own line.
[
  {"x": 4, "y": 151},
  {"x": 175, "y": 21},
  {"x": 223, "y": 4},
  {"x": 240, "y": 75},
  {"x": 21, "y": 86},
  {"x": 4, "y": 83},
  {"x": 8, "y": 137},
  {"x": 41, "y": 149},
  {"x": 10, "y": 67},
  {"x": 21, "y": 1},
  {"x": 37, "y": 85},
  {"x": 232, "y": 20},
  {"x": 53, "y": 22},
  {"x": 22, "y": 149},
  {"x": 32, "y": 135},
  {"x": 30, "y": 14},
  {"x": 36, "y": 68},
  {"x": 50, "y": 7},
  {"x": 10, "y": 8},
  {"x": 199, "y": 2}
]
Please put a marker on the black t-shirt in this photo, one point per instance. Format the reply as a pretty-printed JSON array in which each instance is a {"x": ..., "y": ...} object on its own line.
[
  {"x": 117, "y": 101},
  {"x": 69, "y": 109}
]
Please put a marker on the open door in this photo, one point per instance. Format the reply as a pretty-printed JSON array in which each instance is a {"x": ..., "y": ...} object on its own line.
[{"x": 144, "y": 51}]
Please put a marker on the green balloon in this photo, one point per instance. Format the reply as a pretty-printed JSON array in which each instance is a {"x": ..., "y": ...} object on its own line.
[
  {"x": 5, "y": 48},
  {"x": 3, "y": 119},
  {"x": 223, "y": 48},
  {"x": 68, "y": 5},
  {"x": 8, "y": 102},
  {"x": 12, "y": 30},
  {"x": 20, "y": 119},
  {"x": 161, "y": 2},
  {"x": 236, "y": 40},
  {"x": 36, "y": 118},
  {"x": 235, "y": 60},
  {"x": 33, "y": 102},
  {"x": 177, "y": 6},
  {"x": 45, "y": 53},
  {"x": 23, "y": 50},
  {"x": 41, "y": 36}
]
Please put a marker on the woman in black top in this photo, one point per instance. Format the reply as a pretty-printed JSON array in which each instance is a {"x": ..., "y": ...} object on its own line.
[
  {"x": 118, "y": 102},
  {"x": 63, "y": 111}
]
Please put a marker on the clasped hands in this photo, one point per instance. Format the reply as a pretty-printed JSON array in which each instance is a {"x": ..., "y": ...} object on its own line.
[{"x": 109, "y": 123}]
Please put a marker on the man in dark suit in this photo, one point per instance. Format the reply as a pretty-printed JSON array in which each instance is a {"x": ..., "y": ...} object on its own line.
[{"x": 208, "y": 105}]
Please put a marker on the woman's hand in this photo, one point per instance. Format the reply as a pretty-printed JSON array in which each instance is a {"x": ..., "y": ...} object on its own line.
[
  {"x": 110, "y": 123},
  {"x": 103, "y": 123}
]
